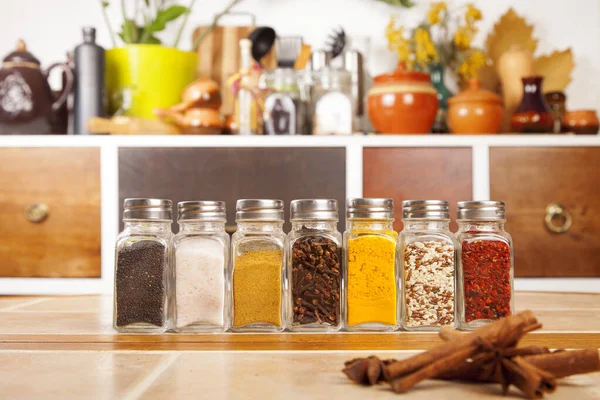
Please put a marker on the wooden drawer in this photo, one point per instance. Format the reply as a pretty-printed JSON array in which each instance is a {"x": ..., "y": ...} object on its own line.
[
  {"x": 528, "y": 180},
  {"x": 230, "y": 174},
  {"x": 408, "y": 173},
  {"x": 67, "y": 243}
]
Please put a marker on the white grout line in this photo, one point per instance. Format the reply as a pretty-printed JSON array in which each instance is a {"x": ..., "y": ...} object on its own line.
[
  {"x": 354, "y": 172},
  {"x": 110, "y": 211},
  {"x": 138, "y": 390},
  {"x": 24, "y": 304},
  {"x": 480, "y": 155}
]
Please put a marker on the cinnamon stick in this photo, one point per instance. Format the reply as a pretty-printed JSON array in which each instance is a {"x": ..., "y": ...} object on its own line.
[
  {"x": 567, "y": 363},
  {"x": 522, "y": 321},
  {"x": 532, "y": 381},
  {"x": 560, "y": 364},
  {"x": 444, "y": 364}
]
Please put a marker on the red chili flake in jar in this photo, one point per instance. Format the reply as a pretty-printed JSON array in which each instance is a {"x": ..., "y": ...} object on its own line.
[{"x": 486, "y": 276}]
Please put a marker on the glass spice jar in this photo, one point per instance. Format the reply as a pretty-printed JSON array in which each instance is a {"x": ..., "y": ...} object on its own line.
[
  {"x": 142, "y": 267},
  {"x": 370, "y": 271},
  {"x": 314, "y": 267},
  {"x": 485, "y": 264},
  {"x": 427, "y": 258},
  {"x": 258, "y": 267},
  {"x": 284, "y": 109},
  {"x": 201, "y": 254},
  {"x": 334, "y": 108}
]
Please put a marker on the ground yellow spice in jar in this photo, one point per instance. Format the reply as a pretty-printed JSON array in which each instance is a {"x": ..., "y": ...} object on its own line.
[
  {"x": 371, "y": 293},
  {"x": 257, "y": 288}
]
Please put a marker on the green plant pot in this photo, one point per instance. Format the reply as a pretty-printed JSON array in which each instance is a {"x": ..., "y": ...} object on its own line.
[{"x": 154, "y": 76}]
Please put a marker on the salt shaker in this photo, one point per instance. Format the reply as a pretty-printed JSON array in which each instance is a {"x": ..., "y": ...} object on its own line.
[{"x": 201, "y": 258}]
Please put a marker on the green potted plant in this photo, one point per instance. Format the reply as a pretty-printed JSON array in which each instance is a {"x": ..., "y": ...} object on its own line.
[{"x": 145, "y": 73}]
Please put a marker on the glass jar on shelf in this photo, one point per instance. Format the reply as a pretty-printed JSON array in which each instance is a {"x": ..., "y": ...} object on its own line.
[
  {"x": 314, "y": 266},
  {"x": 334, "y": 108},
  {"x": 485, "y": 264},
  {"x": 427, "y": 258},
  {"x": 370, "y": 271},
  {"x": 201, "y": 254},
  {"x": 142, "y": 267},
  {"x": 284, "y": 108},
  {"x": 258, "y": 257}
]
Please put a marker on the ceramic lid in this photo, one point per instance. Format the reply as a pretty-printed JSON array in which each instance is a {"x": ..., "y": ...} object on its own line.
[
  {"x": 474, "y": 93},
  {"x": 21, "y": 55},
  {"x": 401, "y": 74}
]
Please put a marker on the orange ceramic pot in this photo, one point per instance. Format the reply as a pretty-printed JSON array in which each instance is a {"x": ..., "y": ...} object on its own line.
[
  {"x": 581, "y": 122},
  {"x": 475, "y": 111},
  {"x": 402, "y": 102}
]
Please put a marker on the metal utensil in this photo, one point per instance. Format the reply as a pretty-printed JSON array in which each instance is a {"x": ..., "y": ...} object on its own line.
[
  {"x": 337, "y": 42},
  {"x": 263, "y": 39},
  {"x": 288, "y": 48}
]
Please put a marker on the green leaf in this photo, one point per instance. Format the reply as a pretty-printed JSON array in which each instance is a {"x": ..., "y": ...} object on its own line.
[
  {"x": 402, "y": 3},
  {"x": 129, "y": 31},
  {"x": 152, "y": 40},
  {"x": 165, "y": 16},
  {"x": 105, "y": 4}
]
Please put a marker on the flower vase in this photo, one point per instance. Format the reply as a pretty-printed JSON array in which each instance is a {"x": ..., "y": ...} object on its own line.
[{"x": 436, "y": 72}]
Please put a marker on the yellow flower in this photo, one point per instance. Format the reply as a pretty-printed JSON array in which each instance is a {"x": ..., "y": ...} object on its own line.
[
  {"x": 472, "y": 14},
  {"x": 398, "y": 42},
  {"x": 425, "y": 51},
  {"x": 433, "y": 15},
  {"x": 463, "y": 37},
  {"x": 471, "y": 65}
]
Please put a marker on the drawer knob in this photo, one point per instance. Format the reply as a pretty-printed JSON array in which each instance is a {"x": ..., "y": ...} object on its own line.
[
  {"x": 557, "y": 211},
  {"x": 36, "y": 212}
]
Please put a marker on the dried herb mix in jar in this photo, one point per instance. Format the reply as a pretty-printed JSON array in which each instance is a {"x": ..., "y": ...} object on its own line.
[
  {"x": 316, "y": 281},
  {"x": 140, "y": 288},
  {"x": 142, "y": 267},
  {"x": 428, "y": 265}
]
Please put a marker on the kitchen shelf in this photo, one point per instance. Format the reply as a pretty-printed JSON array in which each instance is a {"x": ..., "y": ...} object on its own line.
[{"x": 302, "y": 141}]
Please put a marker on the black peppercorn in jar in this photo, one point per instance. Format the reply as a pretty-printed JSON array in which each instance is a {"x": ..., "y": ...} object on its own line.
[
  {"x": 142, "y": 267},
  {"x": 314, "y": 266}
]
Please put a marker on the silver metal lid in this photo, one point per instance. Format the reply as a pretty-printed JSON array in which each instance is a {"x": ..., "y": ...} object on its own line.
[
  {"x": 154, "y": 209},
  {"x": 259, "y": 210},
  {"x": 425, "y": 209},
  {"x": 320, "y": 209},
  {"x": 370, "y": 208},
  {"x": 481, "y": 210},
  {"x": 201, "y": 211}
]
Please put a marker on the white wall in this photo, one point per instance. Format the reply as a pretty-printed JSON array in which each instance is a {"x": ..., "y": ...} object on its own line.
[{"x": 51, "y": 27}]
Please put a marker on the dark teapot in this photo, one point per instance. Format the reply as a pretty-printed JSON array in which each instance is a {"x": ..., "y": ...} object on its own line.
[{"x": 27, "y": 104}]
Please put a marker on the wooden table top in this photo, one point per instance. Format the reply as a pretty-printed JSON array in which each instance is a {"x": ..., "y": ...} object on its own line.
[{"x": 52, "y": 340}]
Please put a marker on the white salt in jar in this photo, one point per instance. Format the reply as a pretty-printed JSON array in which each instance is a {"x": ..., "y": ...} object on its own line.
[{"x": 201, "y": 260}]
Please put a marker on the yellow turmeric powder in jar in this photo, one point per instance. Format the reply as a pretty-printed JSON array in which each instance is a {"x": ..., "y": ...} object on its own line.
[{"x": 371, "y": 275}]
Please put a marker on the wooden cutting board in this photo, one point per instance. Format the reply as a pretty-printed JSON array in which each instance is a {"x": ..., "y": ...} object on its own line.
[{"x": 219, "y": 57}]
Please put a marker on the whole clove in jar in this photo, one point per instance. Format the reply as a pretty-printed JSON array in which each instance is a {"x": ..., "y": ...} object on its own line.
[
  {"x": 314, "y": 266},
  {"x": 142, "y": 267}
]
